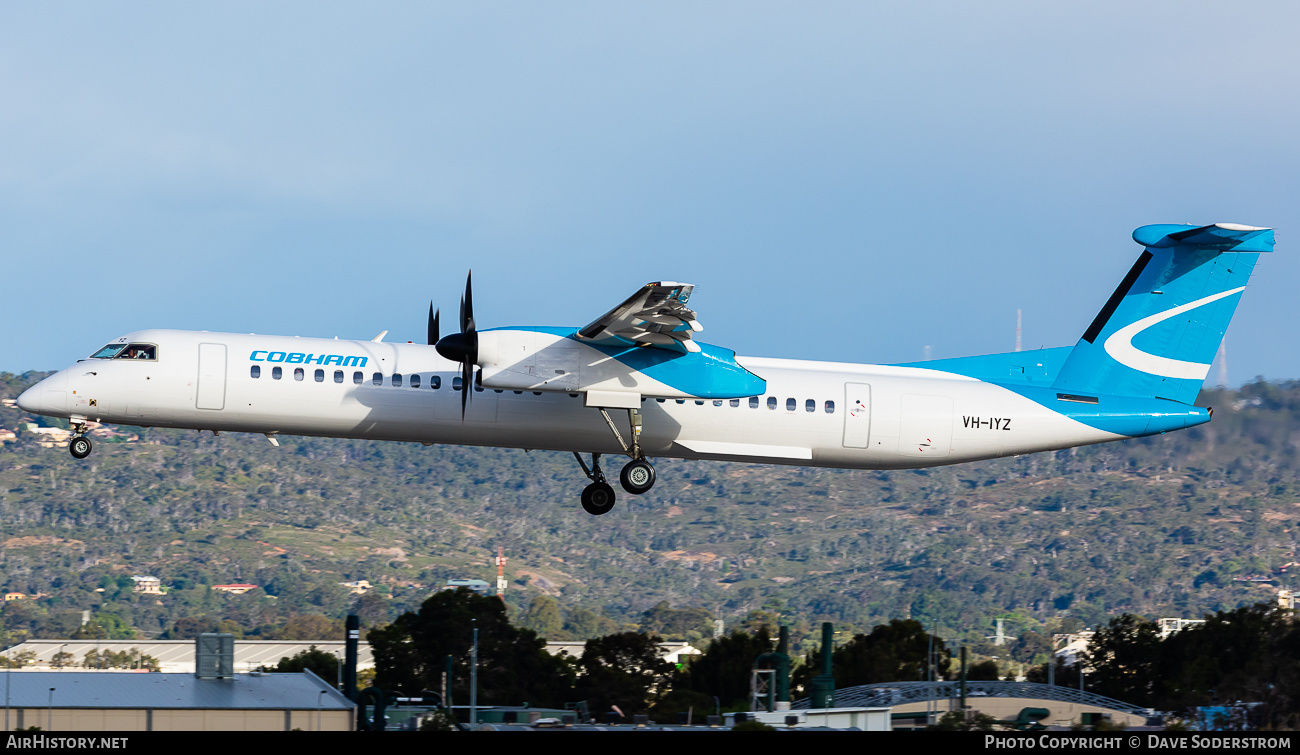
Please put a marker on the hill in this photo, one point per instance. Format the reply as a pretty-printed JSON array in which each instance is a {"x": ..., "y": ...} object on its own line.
[{"x": 1162, "y": 526}]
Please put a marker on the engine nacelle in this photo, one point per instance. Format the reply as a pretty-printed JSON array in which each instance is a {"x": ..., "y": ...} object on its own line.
[{"x": 550, "y": 359}]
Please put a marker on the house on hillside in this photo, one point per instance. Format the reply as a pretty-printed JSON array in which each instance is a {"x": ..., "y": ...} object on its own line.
[
  {"x": 239, "y": 589},
  {"x": 147, "y": 585}
]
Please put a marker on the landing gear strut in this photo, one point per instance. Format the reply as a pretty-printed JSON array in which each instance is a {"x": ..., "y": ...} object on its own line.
[
  {"x": 598, "y": 497},
  {"x": 637, "y": 476},
  {"x": 79, "y": 446}
]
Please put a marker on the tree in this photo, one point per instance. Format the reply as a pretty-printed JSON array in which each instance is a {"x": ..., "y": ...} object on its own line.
[
  {"x": 1250, "y": 653},
  {"x": 585, "y": 624},
  {"x": 624, "y": 669},
  {"x": 311, "y": 626},
  {"x": 1123, "y": 657},
  {"x": 514, "y": 667},
  {"x": 543, "y": 616},
  {"x": 322, "y": 664},
  {"x": 970, "y": 721},
  {"x": 680, "y": 623},
  {"x": 891, "y": 652},
  {"x": 724, "y": 668},
  {"x": 105, "y": 626},
  {"x": 983, "y": 671},
  {"x": 1031, "y": 647},
  {"x": 1063, "y": 675}
]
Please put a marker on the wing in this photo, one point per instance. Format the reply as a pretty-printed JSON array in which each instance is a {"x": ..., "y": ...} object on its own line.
[{"x": 655, "y": 316}]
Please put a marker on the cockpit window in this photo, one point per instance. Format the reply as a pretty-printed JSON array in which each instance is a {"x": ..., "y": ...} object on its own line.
[
  {"x": 109, "y": 351},
  {"x": 127, "y": 351},
  {"x": 139, "y": 351}
]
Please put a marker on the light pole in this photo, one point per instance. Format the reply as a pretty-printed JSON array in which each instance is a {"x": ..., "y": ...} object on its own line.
[
  {"x": 49, "y": 712},
  {"x": 473, "y": 677}
]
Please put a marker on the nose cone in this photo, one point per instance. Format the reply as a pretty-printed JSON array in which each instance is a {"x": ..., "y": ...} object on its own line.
[
  {"x": 49, "y": 396},
  {"x": 27, "y": 400}
]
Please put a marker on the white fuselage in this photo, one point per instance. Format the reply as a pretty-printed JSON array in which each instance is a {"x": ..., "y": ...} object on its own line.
[{"x": 813, "y": 413}]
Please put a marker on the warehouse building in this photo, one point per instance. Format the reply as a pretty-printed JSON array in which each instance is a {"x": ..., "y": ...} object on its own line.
[{"x": 62, "y": 701}]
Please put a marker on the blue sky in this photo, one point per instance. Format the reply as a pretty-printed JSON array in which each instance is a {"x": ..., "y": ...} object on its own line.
[{"x": 841, "y": 181}]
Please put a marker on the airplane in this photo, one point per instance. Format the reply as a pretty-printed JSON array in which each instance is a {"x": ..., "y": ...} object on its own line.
[{"x": 1136, "y": 371}]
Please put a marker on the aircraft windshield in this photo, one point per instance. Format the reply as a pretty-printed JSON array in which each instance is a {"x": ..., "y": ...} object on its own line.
[
  {"x": 109, "y": 351},
  {"x": 127, "y": 351}
]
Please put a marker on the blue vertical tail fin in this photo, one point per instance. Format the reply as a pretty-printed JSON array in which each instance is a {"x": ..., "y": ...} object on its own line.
[{"x": 1158, "y": 333}]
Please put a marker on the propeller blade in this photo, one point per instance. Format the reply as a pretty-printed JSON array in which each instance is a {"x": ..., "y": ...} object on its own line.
[
  {"x": 466, "y": 385},
  {"x": 460, "y": 347},
  {"x": 467, "y": 307}
]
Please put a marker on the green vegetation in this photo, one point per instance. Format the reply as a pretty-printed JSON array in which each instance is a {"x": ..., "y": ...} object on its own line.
[
  {"x": 1159, "y": 527},
  {"x": 1249, "y": 654}
]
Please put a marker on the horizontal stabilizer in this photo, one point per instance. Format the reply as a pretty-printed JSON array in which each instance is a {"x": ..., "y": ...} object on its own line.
[{"x": 1219, "y": 236}]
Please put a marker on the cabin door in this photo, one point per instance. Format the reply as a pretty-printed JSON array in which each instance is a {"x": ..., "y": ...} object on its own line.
[
  {"x": 857, "y": 415},
  {"x": 211, "y": 393}
]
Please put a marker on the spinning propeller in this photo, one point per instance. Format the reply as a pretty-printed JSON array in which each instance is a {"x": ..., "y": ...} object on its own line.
[{"x": 460, "y": 347}]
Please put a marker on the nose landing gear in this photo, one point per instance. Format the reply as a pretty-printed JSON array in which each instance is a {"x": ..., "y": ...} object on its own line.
[
  {"x": 79, "y": 446},
  {"x": 637, "y": 477}
]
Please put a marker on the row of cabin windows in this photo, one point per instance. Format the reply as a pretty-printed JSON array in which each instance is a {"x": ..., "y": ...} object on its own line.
[
  {"x": 435, "y": 382},
  {"x": 791, "y": 404},
  {"x": 358, "y": 378}
]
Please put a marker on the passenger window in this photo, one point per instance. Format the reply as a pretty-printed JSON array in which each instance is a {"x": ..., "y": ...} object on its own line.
[
  {"x": 771, "y": 402},
  {"x": 717, "y": 402},
  {"x": 320, "y": 376},
  {"x": 255, "y": 371},
  {"x": 681, "y": 400},
  {"x": 435, "y": 382},
  {"x": 790, "y": 404},
  {"x": 456, "y": 383},
  {"x": 699, "y": 403},
  {"x": 735, "y": 402},
  {"x": 276, "y": 372},
  {"x": 415, "y": 381},
  {"x": 830, "y": 407},
  {"x": 357, "y": 377},
  {"x": 338, "y": 376},
  {"x": 660, "y": 400},
  {"x": 478, "y": 387},
  {"x": 519, "y": 393},
  {"x": 753, "y": 402},
  {"x": 298, "y": 373},
  {"x": 810, "y": 405},
  {"x": 397, "y": 379}
]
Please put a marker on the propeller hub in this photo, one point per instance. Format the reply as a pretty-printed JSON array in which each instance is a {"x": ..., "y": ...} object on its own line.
[{"x": 459, "y": 347}]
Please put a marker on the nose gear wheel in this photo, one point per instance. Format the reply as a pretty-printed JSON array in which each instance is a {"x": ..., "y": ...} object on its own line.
[
  {"x": 637, "y": 477},
  {"x": 79, "y": 447}
]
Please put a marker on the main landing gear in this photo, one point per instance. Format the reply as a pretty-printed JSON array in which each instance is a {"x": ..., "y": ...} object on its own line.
[
  {"x": 79, "y": 446},
  {"x": 637, "y": 476}
]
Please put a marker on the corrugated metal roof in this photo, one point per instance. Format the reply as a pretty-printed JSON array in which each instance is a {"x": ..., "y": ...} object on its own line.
[
  {"x": 125, "y": 689},
  {"x": 178, "y": 655}
]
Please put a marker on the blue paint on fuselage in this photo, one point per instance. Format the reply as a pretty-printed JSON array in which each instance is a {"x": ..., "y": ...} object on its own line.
[
  {"x": 712, "y": 372},
  {"x": 1122, "y": 415}
]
